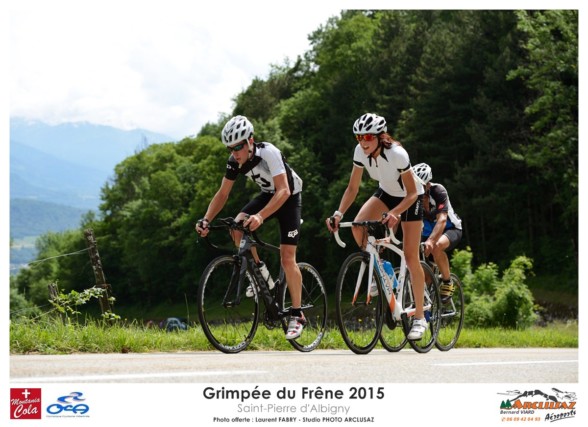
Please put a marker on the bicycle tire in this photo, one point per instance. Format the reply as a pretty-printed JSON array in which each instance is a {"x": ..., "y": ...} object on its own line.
[
  {"x": 452, "y": 317},
  {"x": 360, "y": 323},
  {"x": 314, "y": 307},
  {"x": 392, "y": 337},
  {"x": 230, "y": 328},
  {"x": 427, "y": 342}
]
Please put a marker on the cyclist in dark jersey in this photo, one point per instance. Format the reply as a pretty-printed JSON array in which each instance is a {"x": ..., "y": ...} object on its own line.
[
  {"x": 280, "y": 198},
  {"x": 441, "y": 226}
]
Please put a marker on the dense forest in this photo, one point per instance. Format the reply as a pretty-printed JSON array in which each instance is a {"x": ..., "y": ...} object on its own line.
[{"x": 489, "y": 99}]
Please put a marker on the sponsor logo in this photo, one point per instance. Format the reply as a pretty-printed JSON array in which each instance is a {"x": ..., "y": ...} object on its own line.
[
  {"x": 293, "y": 233},
  {"x": 537, "y": 405},
  {"x": 25, "y": 403},
  {"x": 71, "y": 405}
]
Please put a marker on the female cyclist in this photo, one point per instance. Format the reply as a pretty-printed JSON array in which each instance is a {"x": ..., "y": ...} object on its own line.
[{"x": 399, "y": 195}]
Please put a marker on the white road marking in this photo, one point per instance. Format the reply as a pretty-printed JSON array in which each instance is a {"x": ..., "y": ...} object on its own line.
[
  {"x": 130, "y": 376},
  {"x": 528, "y": 362}
]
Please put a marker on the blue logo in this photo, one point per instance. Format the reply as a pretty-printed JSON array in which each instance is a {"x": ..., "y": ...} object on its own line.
[{"x": 69, "y": 405}]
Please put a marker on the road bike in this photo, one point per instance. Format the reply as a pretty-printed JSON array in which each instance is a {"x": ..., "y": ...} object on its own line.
[
  {"x": 229, "y": 318},
  {"x": 452, "y": 312},
  {"x": 363, "y": 316}
]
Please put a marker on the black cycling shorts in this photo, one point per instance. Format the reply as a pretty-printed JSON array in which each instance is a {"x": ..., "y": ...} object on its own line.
[
  {"x": 289, "y": 215},
  {"x": 453, "y": 235},
  {"x": 413, "y": 213}
]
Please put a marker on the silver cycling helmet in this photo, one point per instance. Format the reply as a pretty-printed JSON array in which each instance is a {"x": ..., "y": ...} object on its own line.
[
  {"x": 236, "y": 130},
  {"x": 369, "y": 123},
  {"x": 423, "y": 172}
]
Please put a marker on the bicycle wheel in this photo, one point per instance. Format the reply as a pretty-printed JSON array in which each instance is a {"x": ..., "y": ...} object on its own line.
[
  {"x": 314, "y": 307},
  {"x": 228, "y": 318},
  {"x": 452, "y": 315},
  {"x": 392, "y": 336},
  {"x": 432, "y": 299},
  {"x": 359, "y": 318}
]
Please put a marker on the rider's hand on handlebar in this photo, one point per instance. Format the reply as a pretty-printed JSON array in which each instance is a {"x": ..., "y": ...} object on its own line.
[
  {"x": 333, "y": 223},
  {"x": 390, "y": 219},
  {"x": 202, "y": 227},
  {"x": 253, "y": 222}
]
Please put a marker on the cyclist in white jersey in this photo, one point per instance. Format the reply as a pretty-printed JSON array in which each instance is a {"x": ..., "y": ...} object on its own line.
[
  {"x": 442, "y": 226},
  {"x": 280, "y": 198},
  {"x": 399, "y": 195}
]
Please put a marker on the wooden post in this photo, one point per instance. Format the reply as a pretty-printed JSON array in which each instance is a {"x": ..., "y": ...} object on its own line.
[
  {"x": 53, "y": 293},
  {"x": 98, "y": 273}
]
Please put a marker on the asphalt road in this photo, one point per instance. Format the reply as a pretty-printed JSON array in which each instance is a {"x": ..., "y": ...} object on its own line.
[{"x": 495, "y": 365}]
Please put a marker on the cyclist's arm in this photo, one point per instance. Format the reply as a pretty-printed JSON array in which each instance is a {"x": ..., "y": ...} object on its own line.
[
  {"x": 439, "y": 228},
  {"x": 352, "y": 189},
  {"x": 409, "y": 183},
  {"x": 219, "y": 200}
]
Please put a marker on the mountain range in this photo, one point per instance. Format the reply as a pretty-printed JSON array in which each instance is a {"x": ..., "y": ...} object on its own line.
[{"x": 57, "y": 171}]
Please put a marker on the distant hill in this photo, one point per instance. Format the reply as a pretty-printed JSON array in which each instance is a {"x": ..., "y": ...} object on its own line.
[
  {"x": 30, "y": 219},
  {"x": 93, "y": 146},
  {"x": 35, "y": 175},
  {"x": 68, "y": 164},
  {"x": 57, "y": 172},
  {"x": 33, "y": 218}
]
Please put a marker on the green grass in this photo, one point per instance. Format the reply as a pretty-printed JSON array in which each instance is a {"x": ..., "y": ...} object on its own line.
[{"x": 50, "y": 336}]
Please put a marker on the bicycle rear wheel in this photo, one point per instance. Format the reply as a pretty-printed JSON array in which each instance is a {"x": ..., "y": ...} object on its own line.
[
  {"x": 314, "y": 307},
  {"x": 452, "y": 315},
  {"x": 228, "y": 317},
  {"x": 359, "y": 317},
  {"x": 432, "y": 299},
  {"x": 392, "y": 336}
]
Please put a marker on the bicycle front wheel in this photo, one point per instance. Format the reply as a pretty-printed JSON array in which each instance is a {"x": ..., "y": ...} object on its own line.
[
  {"x": 433, "y": 302},
  {"x": 452, "y": 315},
  {"x": 359, "y": 315},
  {"x": 392, "y": 336},
  {"x": 228, "y": 317},
  {"x": 314, "y": 307}
]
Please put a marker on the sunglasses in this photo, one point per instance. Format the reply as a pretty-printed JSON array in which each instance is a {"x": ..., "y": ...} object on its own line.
[
  {"x": 237, "y": 147},
  {"x": 367, "y": 137}
]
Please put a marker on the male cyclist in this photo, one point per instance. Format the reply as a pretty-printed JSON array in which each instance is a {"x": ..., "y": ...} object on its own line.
[
  {"x": 280, "y": 198},
  {"x": 442, "y": 226}
]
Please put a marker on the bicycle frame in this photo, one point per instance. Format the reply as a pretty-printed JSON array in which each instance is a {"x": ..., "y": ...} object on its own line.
[
  {"x": 373, "y": 249},
  {"x": 247, "y": 262}
]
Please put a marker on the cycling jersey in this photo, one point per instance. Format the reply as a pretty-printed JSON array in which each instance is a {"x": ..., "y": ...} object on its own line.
[
  {"x": 267, "y": 161},
  {"x": 439, "y": 202},
  {"x": 387, "y": 168}
]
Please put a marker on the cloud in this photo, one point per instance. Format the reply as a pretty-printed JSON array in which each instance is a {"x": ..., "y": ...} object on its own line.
[{"x": 168, "y": 67}]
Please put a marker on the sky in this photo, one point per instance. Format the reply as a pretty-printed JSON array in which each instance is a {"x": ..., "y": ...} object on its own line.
[{"x": 167, "y": 66}]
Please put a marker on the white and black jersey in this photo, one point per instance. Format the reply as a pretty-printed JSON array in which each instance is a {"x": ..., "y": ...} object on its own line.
[
  {"x": 266, "y": 163},
  {"x": 438, "y": 201},
  {"x": 387, "y": 169}
]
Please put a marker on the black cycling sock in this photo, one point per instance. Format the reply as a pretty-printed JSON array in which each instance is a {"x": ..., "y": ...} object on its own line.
[{"x": 296, "y": 312}]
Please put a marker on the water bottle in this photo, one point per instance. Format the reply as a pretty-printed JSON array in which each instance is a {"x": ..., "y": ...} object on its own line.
[
  {"x": 266, "y": 274},
  {"x": 390, "y": 272}
]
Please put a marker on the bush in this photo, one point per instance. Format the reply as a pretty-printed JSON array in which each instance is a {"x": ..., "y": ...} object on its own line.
[
  {"x": 491, "y": 301},
  {"x": 514, "y": 306}
]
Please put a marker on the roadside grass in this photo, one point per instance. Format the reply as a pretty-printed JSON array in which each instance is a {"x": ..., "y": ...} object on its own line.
[{"x": 51, "y": 336}]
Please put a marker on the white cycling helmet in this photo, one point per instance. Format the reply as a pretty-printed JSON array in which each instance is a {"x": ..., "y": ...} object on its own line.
[
  {"x": 369, "y": 123},
  {"x": 237, "y": 129},
  {"x": 423, "y": 172}
]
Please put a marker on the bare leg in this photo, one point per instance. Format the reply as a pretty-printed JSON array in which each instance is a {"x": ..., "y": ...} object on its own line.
[
  {"x": 292, "y": 272},
  {"x": 411, "y": 240},
  {"x": 441, "y": 258},
  {"x": 371, "y": 210}
]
